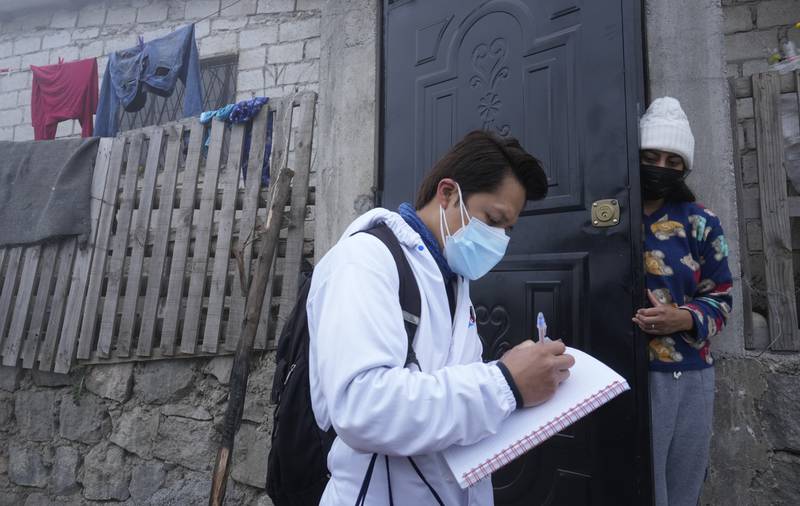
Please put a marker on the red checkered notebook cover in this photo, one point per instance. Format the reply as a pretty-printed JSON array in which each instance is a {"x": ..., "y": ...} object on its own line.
[{"x": 590, "y": 385}]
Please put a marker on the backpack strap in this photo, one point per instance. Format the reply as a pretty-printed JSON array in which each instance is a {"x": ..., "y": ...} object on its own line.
[{"x": 410, "y": 301}]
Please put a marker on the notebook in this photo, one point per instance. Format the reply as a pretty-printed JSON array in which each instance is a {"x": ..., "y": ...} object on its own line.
[{"x": 590, "y": 385}]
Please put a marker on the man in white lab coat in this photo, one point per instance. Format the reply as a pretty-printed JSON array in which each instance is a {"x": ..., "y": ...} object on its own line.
[{"x": 457, "y": 231}]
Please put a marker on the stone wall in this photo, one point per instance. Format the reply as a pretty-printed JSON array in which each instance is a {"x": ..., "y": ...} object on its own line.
[
  {"x": 754, "y": 29},
  {"x": 277, "y": 42},
  {"x": 136, "y": 434}
]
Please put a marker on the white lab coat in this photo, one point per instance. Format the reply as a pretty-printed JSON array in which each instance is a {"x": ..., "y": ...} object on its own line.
[{"x": 359, "y": 385}]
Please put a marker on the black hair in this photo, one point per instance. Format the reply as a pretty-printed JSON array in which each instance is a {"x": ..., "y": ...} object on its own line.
[
  {"x": 681, "y": 193},
  {"x": 480, "y": 162}
]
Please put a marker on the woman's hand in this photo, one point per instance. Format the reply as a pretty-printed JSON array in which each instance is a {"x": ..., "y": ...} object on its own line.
[{"x": 663, "y": 319}]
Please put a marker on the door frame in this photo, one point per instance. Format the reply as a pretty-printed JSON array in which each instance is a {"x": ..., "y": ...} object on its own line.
[{"x": 634, "y": 40}]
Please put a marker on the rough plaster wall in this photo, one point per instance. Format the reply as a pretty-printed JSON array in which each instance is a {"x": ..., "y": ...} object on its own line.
[{"x": 347, "y": 115}]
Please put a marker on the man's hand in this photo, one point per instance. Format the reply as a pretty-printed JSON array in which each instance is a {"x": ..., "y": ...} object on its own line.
[
  {"x": 663, "y": 319},
  {"x": 538, "y": 369}
]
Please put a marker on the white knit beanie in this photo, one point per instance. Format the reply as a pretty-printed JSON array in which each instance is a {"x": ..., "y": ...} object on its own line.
[{"x": 665, "y": 127}]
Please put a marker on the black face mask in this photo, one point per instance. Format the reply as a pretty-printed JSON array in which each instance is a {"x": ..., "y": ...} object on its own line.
[{"x": 658, "y": 182}]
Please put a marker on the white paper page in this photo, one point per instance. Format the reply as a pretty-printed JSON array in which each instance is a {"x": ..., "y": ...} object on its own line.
[{"x": 587, "y": 377}]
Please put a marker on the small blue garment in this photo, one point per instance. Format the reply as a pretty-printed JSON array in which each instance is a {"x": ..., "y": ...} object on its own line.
[
  {"x": 223, "y": 114},
  {"x": 247, "y": 109},
  {"x": 409, "y": 214},
  {"x": 243, "y": 112},
  {"x": 150, "y": 67}
]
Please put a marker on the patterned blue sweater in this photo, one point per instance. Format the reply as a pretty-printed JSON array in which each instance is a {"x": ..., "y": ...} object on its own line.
[{"x": 686, "y": 261}]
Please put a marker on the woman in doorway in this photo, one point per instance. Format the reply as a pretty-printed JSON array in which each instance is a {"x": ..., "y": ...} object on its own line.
[{"x": 689, "y": 291}]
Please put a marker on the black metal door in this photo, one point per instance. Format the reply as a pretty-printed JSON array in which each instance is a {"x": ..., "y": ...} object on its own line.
[{"x": 564, "y": 77}]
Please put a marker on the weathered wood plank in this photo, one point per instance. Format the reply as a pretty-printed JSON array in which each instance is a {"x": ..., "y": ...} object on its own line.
[
  {"x": 229, "y": 180},
  {"x": 745, "y": 258},
  {"x": 744, "y": 88},
  {"x": 247, "y": 225},
  {"x": 119, "y": 247},
  {"x": 13, "y": 342},
  {"x": 161, "y": 241},
  {"x": 35, "y": 334},
  {"x": 183, "y": 225},
  {"x": 279, "y": 158},
  {"x": 138, "y": 237},
  {"x": 191, "y": 320},
  {"x": 106, "y": 169},
  {"x": 7, "y": 293},
  {"x": 294, "y": 243},
  {"x": 94, "y": 264},
  {"x": 775, "y": 215},
  {"x": 66, "y": 256}
]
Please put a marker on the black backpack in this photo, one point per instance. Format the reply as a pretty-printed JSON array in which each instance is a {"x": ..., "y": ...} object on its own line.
[{"x": 297, "y": 470}]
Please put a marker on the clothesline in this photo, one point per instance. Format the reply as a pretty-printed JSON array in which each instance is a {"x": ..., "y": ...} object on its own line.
[{"x": 6, "y": 71}]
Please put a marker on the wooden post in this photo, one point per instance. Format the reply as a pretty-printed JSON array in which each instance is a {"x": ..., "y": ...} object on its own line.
[
  {"x": 241, "y": 360},
  {"x": 775, "y": 214}
]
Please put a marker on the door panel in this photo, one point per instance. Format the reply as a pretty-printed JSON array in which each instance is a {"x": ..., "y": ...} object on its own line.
[{"x": 563, "y": 77}]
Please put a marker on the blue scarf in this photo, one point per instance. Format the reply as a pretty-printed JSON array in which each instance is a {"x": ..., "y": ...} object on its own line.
[{"x": 409, "y": 214}]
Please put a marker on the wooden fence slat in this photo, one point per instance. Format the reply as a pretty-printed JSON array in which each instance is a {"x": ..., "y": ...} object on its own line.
[
  {"x": 230, "y": 183},
  {"x": 294, "y": 243},
  {"x": 191, "y": 320},
  {"x": 138, "y": 238},
  {"x": 281, "y": 135},
  {"x": 747, "y": 301},
  {"x": 7, "y": 294},
  {"x": 775, "y": 215},
  {"x": 161, "y": 241},
  {"x": 119, "y": 246},
  {"x": 183, "y": 225},
  {"x": 247, "y": 226},
  {"x": 13, "y": 343},
  {"x": 66, "y": 265},
  {"x": 95, "y": 265},
  {"x": 109, "y": 159},
  {"x": 35, "y": 334}
]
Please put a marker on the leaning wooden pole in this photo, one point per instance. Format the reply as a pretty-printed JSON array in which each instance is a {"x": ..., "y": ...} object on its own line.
[{"x": 241, "y": 360}]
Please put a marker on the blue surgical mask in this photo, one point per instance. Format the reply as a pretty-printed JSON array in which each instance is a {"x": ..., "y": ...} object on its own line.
[{"x": 475, "y": 248}]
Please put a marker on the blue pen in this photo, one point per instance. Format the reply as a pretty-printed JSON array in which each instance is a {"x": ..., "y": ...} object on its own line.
[{"x": 541, "y": 326}]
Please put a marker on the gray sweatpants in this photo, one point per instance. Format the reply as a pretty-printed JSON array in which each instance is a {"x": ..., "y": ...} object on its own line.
[{"x": 682, "y": 413}]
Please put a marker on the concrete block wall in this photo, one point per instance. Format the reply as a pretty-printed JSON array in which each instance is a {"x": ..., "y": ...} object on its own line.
[
  {"x": 754, "y": 29},
  {"x": 277, "y": 42}
]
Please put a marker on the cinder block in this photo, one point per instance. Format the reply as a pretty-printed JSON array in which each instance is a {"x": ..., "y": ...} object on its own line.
[
  {"x": 777, "y": 13},
  {"x": 57, "y": 39},
  {"x": 299, "y": 29},
  {"x": 224, "y": 43},
  {"x": 275, "y": 6},
  {"x": 201, "y": 8},
  {"x": 27, "y": 45},
  {"x": 737, "y": 19},
  {"x": 120, "y": 16},
  {"x": 252, "y": 58},
  {"x": 750, "y": 45},
  {"x": 250, "y": 80},
  {"x": 254, "y": 37},
  {"x": 92, "y": 15},
  {"x": 23, "y": 133},
  {"x": 64, "y": 19},
  {"x": 286, "y": 53},
  {"x": 152, "y": 13}
]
